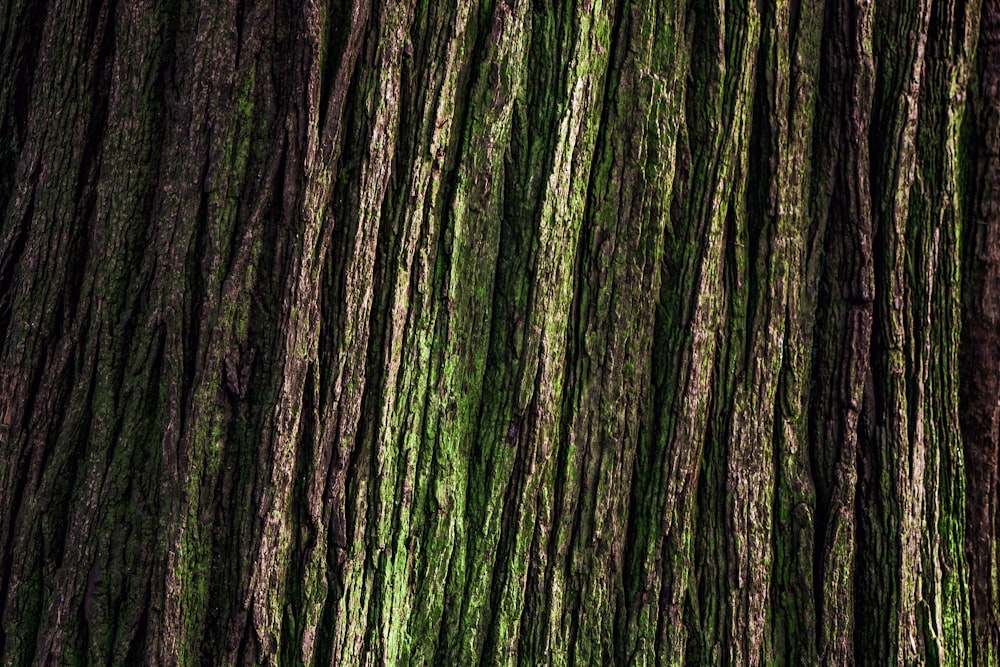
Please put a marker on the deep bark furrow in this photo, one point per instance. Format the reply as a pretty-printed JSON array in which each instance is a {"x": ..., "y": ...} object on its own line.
[{"x": 980, "y": 361}]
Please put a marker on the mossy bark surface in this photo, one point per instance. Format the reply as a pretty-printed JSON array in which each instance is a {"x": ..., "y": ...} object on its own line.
[{"x": 499, "y": 332}]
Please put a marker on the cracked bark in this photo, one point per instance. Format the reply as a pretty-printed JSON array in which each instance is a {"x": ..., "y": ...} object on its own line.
[{"x": 499, "y": 332}]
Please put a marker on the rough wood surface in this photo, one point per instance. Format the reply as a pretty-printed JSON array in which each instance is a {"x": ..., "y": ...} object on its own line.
[{"x": 566, "y": 332}]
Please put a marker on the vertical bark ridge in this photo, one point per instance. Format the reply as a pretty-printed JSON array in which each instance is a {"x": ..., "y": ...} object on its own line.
[
  {"x": 795, "y": 53},
  {"x": 935, "y": 226},
  {"x": 661, "y": 31}
]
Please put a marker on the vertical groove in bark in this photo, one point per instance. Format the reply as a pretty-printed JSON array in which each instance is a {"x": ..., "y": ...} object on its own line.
[
  {"x": 843, "y": 316},
  {"x": 980, "y": 349},
  {"x": 499, "y": 332}
]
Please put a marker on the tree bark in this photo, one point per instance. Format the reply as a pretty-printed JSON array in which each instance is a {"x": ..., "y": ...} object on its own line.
[{"x": 499, "y": 332}]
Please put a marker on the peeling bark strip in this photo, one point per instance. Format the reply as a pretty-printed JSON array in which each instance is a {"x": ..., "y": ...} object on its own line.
[{"x": 499, "y": 332}]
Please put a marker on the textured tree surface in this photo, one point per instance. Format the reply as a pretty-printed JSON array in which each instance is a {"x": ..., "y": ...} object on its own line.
[{"x": 596, "y": 332}]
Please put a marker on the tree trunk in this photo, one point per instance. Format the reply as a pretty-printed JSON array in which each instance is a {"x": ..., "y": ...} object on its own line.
[{"x": 419, "y": 332}]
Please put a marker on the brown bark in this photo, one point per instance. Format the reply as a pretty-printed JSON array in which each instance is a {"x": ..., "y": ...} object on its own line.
[
  {"x": 981, "y": 340},
  {"x": 506, "y": 332}
]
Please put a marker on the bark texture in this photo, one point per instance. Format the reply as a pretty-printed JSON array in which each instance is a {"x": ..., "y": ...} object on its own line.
[{"x": 564, "y": 332}]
